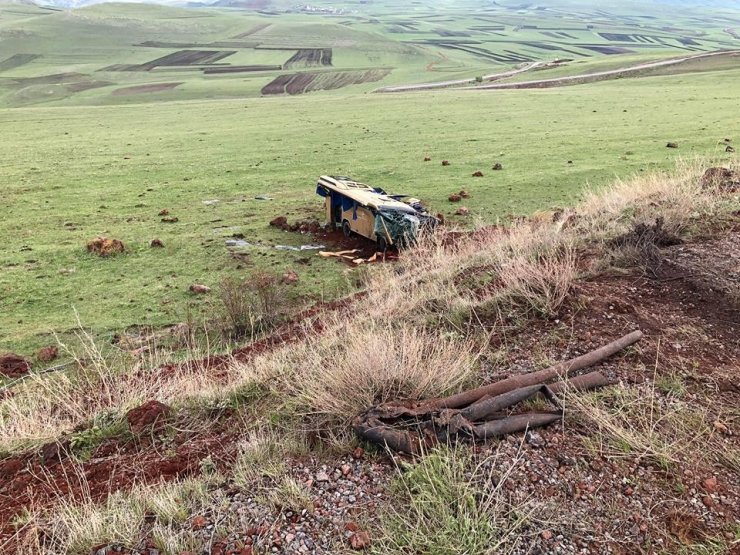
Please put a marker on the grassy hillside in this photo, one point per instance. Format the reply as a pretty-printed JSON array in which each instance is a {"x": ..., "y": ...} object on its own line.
[
  {"x": 256, "y": 452},
  {"x": 74, "y": 173},
  {"x": 115, "y": 112}
]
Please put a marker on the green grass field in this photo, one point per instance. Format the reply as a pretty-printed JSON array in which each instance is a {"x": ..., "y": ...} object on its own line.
[{"x": 80, "y": 163}]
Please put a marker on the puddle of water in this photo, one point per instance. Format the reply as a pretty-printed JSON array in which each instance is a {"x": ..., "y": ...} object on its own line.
[
  {"x": 301, "y": 248},
  {"x": 237, "y": 243}
]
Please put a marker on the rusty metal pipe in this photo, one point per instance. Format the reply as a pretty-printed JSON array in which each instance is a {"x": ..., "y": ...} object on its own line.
[
  {"x": 515, "y": 423},
  {"x": 558, "y": 370}
]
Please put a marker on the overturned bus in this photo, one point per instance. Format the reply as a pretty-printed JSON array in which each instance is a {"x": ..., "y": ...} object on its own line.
[{"x": 371, "y": 213}]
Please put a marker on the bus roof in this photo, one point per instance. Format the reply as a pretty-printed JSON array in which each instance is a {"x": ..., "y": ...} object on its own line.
[{"x": 363, "y": 194}]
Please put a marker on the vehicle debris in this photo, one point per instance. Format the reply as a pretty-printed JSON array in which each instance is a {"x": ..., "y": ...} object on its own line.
[
  {"x": 477, "y": 415},
  {"x": 357, "y": 208},
  {"x": 339, "y": 254}
]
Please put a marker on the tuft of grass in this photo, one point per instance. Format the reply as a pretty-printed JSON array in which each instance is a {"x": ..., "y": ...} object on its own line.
[
  {"x": 448, "y": 506},
  {"x": 367, "y": 363},
  {"x": 74, "y": 526},
  {"x": 254, "y": 305},
  {"x": 639, "y": 424}
]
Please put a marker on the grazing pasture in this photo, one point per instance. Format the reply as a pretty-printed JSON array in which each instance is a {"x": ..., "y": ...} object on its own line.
[{"x": 137, "y": 109}]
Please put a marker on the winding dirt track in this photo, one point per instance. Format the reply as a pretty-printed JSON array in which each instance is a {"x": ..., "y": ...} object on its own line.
[
  {"x": 555, "y": 82},
  {"x": 603, "y": 75},
  {"x": 458, "y": 82}
]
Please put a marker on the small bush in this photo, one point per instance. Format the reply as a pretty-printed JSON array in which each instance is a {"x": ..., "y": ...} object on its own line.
[
  {"x": 364, "y": 365},
  {"x": 253, "y": 305}
]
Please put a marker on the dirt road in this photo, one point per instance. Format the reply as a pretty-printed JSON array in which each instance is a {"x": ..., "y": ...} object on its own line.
[
  {"x": 458, "y": 82},
  {"x": 603, "y": 75},
  {"x": 555, "y": 82}
]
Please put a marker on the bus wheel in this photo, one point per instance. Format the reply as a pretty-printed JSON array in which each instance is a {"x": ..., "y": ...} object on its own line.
[{"x": 346, "y": 229}]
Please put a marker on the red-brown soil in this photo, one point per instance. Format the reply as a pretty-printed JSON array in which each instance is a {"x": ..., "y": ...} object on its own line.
[
  {"x": 150, "y": 416},
  {"x": 102, "y": 246},
  {"x": 690, "y": 327},
  {"x": 14, "y": 366}
]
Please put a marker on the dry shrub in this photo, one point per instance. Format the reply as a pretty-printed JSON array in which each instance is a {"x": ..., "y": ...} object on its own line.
[
  {"x": 75, "y": 526},
  {"x": 642, "y": 425},
  {"x": 362, "y": 365},
  {"x": 536, "y": 270},
  {"x": 678, "y": 198},
  {"x": 102, "y": 246},
  {"x": 253, "y": 305}
]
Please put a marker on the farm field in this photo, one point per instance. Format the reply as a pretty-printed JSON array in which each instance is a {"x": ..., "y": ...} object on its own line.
[{"x": 131, "y": 53}]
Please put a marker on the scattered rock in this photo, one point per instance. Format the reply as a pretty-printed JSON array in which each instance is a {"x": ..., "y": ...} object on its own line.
[
  {"x": 14, "y": 366},
  {"x": 427, "y": 159},
  {"x": 290, "y": 277},
  {"x": 445, "y": 162},
  {"x": 535, "y": 439},
  {"x": 351, "y": 527},
  {"x": 708, "y": 501},
  {"x": 47, "y": 354},
  {"x": 164, "y": 212},
  {"x": 199, "y": 289},
  {"x": 464, "y": 194},
  {"x": 729, "y": 148},
  {"x": 54, "y": 451},
  {"x": 546, "y": 535},
  {"x": 360, "y": 541},
  {"x": 454, "y": 198},
  {"x": 150, "y": 416},
  {"x": 711, "y": 484},
  {"x": 280, "y": 222},
  {"x": 171, "y": 220},
  {"x": 478, "y": 174},
  {"x": 102, "y": 246},
  {"x": 199, "y": 522},
  {"x": 672, "y": 145},
  {"x": 156, "y": 244},
  {"x": 462, "y": 211},
  {"x": 358, "y": 453},
  {"x": 497, "y": 166}
]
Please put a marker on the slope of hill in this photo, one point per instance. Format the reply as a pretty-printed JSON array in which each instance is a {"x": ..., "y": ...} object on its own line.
[{"x": 254, "y": 452}]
